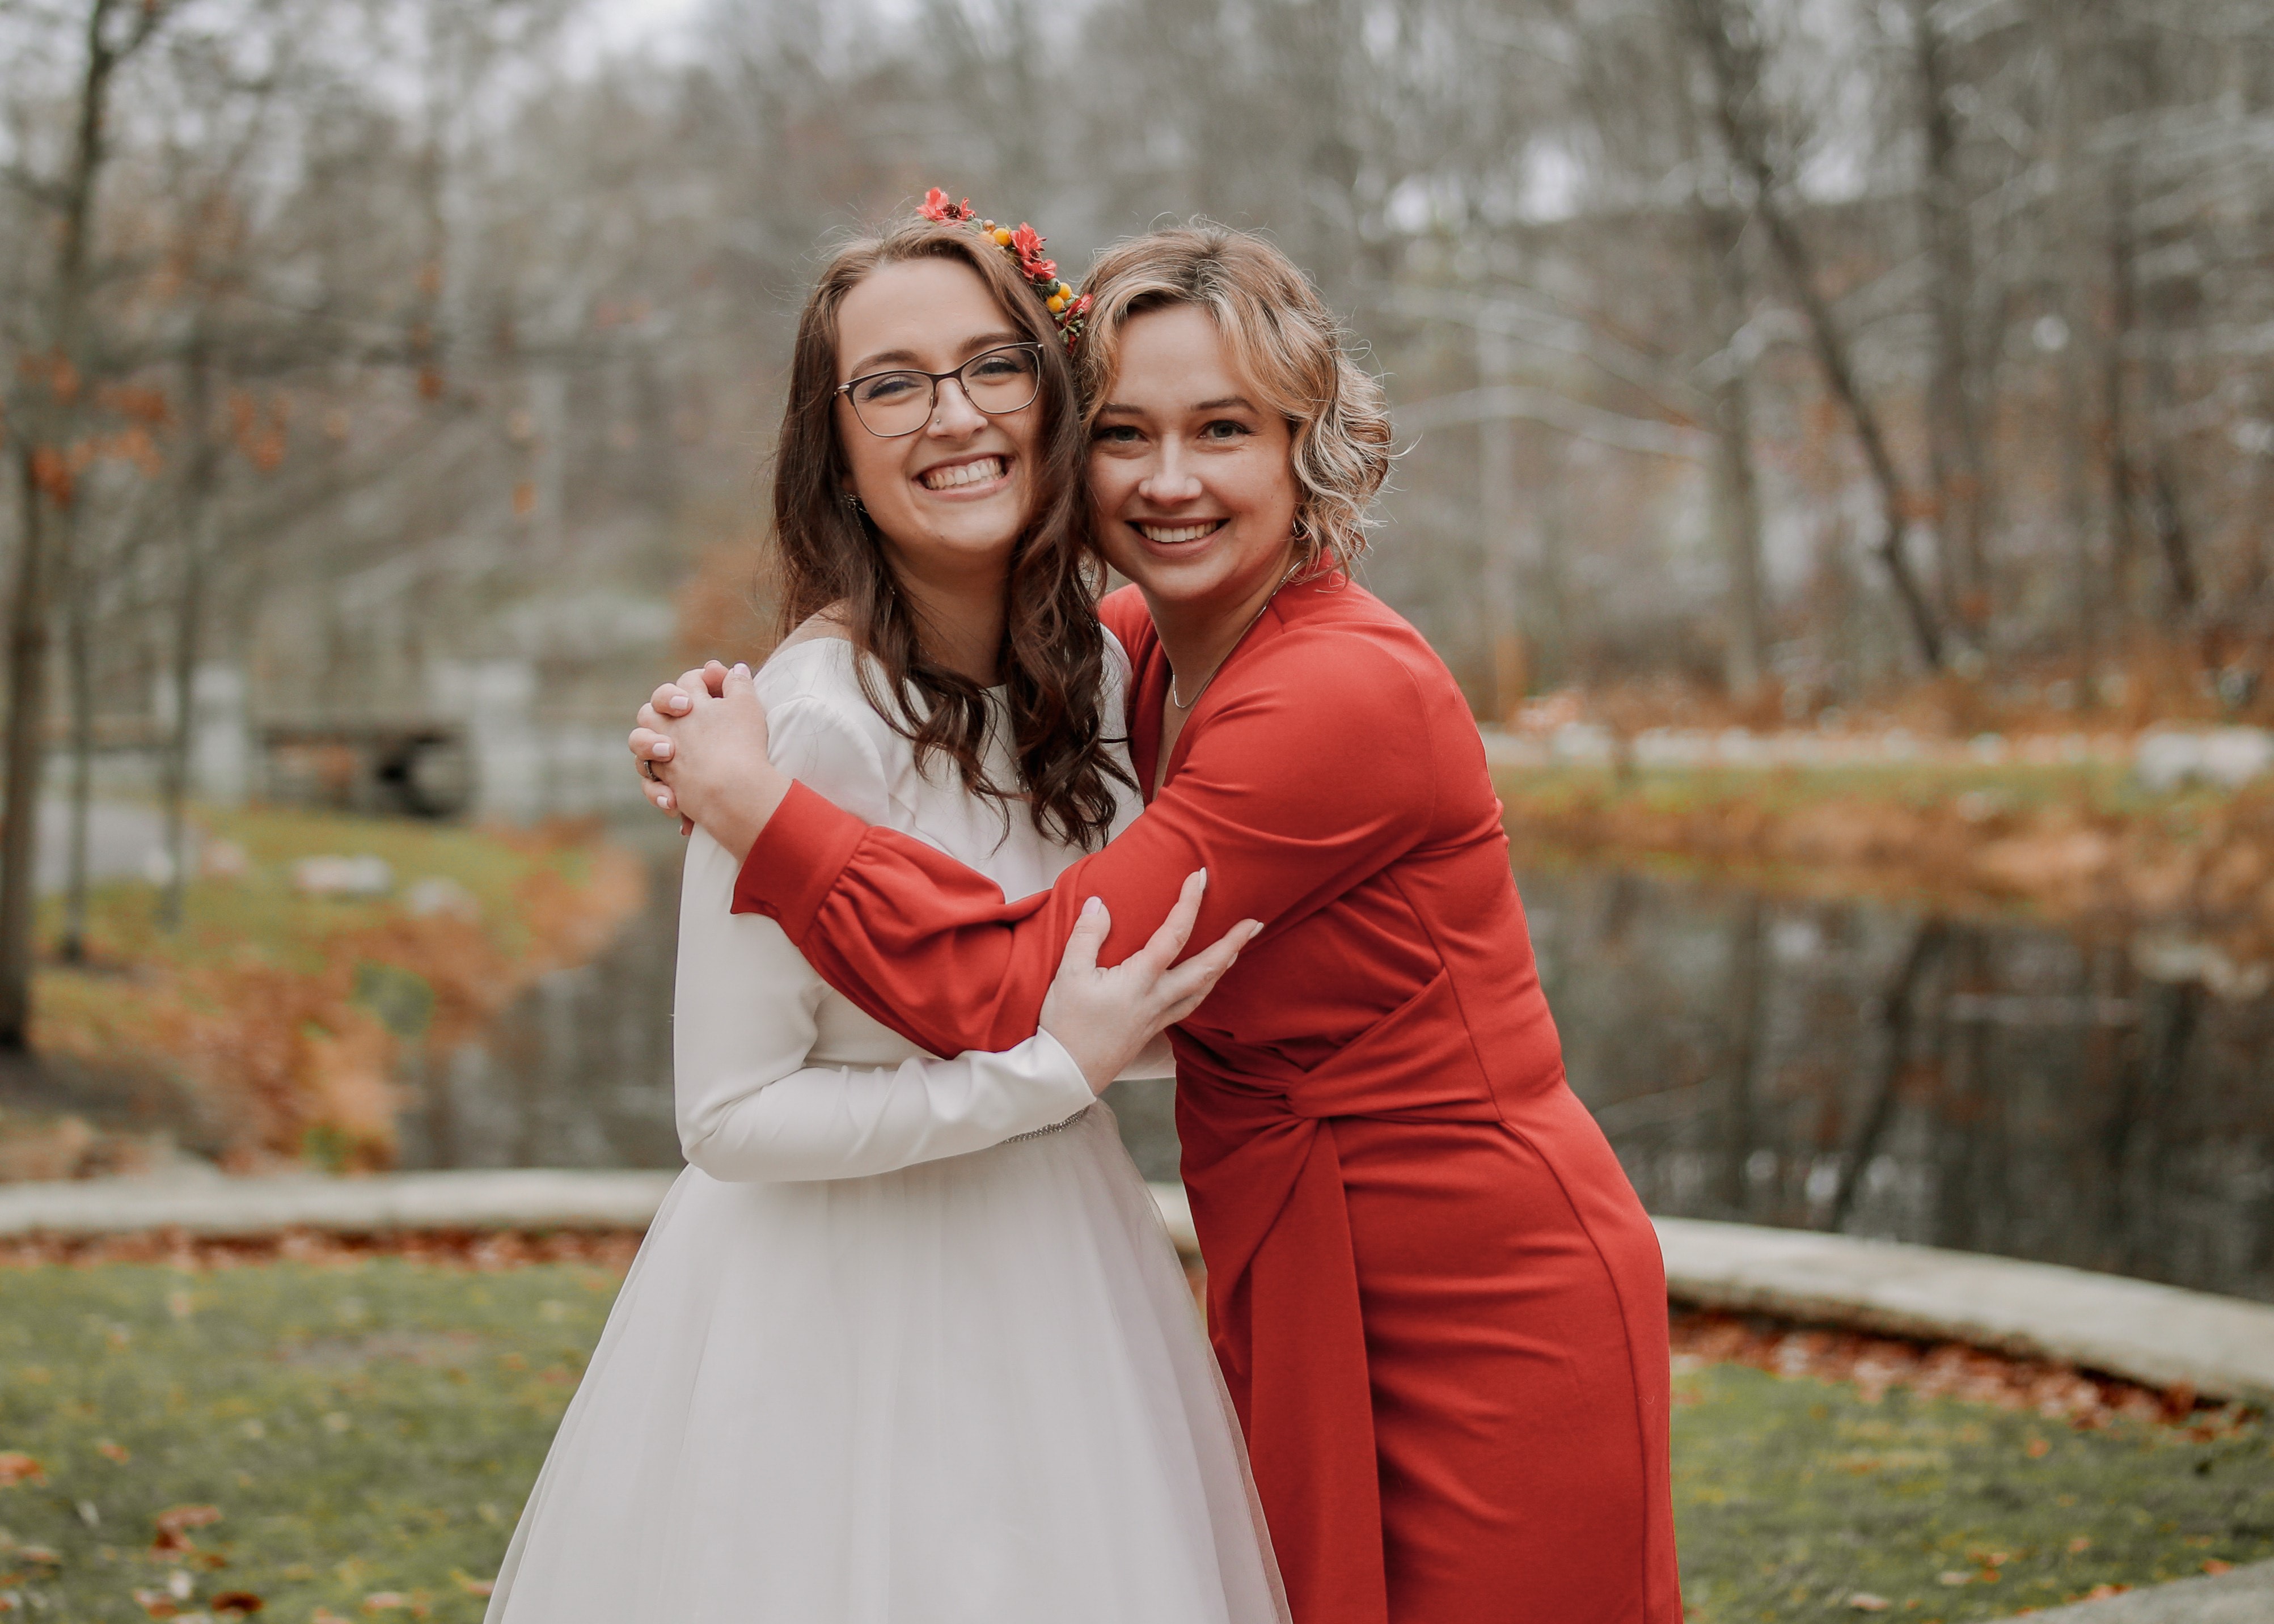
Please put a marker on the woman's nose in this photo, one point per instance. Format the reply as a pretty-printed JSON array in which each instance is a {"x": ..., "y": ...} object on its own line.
[
  {"x": 1170, "y": 479},
  {"x": 952, "y": 414}
]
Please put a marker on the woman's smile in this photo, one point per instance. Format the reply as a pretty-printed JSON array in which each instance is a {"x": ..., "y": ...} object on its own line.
[
  {"x": 966, "y": 478},
  {"x": 1176, "y": 533}
]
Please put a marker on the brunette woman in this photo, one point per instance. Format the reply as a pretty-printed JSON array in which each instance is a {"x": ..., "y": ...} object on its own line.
[
  {"x": 1439, "y": 1305},
  {"x": 907, "y": 1343}
]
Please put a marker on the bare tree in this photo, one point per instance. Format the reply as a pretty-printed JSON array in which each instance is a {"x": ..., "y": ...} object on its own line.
[
  {"x": 1730, "y": 46},
  {"x": 47, "y": 414}
]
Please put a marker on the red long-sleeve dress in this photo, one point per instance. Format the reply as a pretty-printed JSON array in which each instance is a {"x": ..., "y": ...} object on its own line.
[{"x": 1439, "y": 1306}]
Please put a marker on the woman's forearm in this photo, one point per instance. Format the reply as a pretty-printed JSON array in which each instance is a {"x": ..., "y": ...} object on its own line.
[
  {"x": 1291, "y": 798},
  {"x": 852, "y": 1121}
]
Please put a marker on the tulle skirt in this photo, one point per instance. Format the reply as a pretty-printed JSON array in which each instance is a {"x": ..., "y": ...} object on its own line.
[{"x": 971, "y": 1392}]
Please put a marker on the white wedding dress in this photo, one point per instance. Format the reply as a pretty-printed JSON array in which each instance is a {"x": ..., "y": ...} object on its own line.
[{"x": 906, "y": 1342}]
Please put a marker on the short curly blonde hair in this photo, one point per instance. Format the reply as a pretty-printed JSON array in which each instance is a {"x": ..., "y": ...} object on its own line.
[{"x": 1289, "y": 344}]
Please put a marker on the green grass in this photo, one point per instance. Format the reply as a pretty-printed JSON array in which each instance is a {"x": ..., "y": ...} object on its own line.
[
  {"x": 370, "y": 1431},
  {"x": 260, "y": 915},
  {"x": 362, "y": 1429},
  {"x": 1792, "y": 1496}
]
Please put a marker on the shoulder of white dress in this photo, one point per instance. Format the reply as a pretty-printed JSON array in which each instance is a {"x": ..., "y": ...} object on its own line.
[
  {"x": 825, "y": 732},
  {"x": 1120, "y": 671},
  {"x": 806, "y": 666}
]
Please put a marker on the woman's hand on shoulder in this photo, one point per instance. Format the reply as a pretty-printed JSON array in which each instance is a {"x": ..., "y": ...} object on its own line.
[
  {"x": 652, "y": 746},
  {"x": 702, "y": 748},
  {"x": 1105, "y": 1018}
]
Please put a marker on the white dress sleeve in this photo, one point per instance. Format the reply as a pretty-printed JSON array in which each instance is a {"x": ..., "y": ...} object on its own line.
[{"x": 748, "y": 1106}]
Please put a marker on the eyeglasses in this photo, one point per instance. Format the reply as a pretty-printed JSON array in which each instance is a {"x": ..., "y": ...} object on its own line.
[{"x": 995, "y": 381}]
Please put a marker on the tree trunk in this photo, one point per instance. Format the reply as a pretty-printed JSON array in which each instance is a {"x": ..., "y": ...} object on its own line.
[
  {"x": 2123, "y": 528},
  {"x": 2077, "y": 496},
  {"x": 189, "y": 627},
  {"x": 1736, "y": 487},
  {"x": 1954, "y": 438},
  {"x": 78, "y": 656},
  {"x": 39, "y": 435},
  {"x": 174, "y": 784},
  {"x": 26, "y": 753}
]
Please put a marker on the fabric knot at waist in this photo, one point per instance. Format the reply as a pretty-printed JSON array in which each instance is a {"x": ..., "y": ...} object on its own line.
[{"x": 1265, "y": 1180}]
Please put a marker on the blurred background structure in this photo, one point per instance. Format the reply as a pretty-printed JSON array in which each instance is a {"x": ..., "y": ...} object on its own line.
[{"x": 385, "y": 388}]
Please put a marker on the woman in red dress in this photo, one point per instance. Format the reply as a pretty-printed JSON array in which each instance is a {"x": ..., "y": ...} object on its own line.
[{"x": 1439, "y": 1306}]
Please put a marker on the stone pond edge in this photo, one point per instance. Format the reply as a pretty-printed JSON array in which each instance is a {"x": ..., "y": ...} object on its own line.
[{"x": 2161, "y": 1336}]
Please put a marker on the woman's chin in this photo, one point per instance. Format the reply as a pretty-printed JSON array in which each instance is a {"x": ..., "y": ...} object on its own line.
[
  {"x": 1173, "y": 575},
  {"x": 973, "y": 529}
]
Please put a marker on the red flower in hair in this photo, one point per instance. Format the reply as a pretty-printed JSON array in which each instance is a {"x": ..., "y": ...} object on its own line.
[
  {"x": 935, "y": 206},
  {"x": 1027, "y": 242}
]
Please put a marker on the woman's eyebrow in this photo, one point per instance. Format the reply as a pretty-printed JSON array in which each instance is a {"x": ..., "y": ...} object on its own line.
[
  {"x": 885, "y": 359},
  {"x": 1227, "y": 402}
]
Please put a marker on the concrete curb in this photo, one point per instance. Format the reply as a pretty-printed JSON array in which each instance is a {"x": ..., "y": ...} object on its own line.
[
  {"x": 2244, "y": 1597},
  {"x": 499, "y": 1199},
  {"x": 2159, "y": 1336},
  {"x": 2156, "y": 1336}
]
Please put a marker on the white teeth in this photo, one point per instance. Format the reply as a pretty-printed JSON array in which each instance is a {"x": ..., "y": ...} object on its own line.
[
  {"x": 963, "y": 473},
  {"x": 1168, "y": 535}
]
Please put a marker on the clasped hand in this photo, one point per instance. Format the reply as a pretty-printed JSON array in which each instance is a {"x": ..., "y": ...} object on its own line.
[{"x": 700, "y": 747}]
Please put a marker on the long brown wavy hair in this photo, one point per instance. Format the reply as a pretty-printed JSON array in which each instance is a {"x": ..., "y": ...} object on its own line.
[{"x": 828, "y": 552}]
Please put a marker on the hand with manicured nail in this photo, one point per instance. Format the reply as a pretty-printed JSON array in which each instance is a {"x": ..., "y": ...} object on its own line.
[
  {"x": 1102, "y": 1018},
  {"x": 650, "y": 742},
  {"x": 701, "y": 746}
]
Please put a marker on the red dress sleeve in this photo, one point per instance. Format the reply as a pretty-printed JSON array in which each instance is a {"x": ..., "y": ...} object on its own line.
[{"x": 1310, "y": 775}]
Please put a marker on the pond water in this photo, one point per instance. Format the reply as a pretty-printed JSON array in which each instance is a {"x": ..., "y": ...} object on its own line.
[{"x": 1845, "y": 1065}]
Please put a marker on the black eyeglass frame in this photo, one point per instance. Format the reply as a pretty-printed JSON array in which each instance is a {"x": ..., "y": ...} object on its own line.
[{"x": 937, "y": 379}]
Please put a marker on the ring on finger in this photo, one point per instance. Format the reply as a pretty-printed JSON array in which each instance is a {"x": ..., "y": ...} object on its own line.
[{"x": 647, "y": 766}]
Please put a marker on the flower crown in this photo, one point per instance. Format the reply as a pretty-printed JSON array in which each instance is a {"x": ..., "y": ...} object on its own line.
[{"x": 1024, "y": 245}]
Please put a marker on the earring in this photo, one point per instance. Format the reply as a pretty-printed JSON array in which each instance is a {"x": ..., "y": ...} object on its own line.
[{"x": 852, "y": 500}]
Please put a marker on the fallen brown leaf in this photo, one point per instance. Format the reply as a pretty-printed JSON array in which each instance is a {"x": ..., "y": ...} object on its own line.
[{"x": 174, "y": 1525}]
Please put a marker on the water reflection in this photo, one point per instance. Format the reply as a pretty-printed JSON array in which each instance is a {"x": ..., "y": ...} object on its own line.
[
  {"x": 1841, "y": 1064},
  {"x": 577, "y": 1074},
  {"x": 1814, "y": 1063}
]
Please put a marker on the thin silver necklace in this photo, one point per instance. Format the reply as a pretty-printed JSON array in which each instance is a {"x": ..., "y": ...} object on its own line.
[{"x": 1186, "y": 705}]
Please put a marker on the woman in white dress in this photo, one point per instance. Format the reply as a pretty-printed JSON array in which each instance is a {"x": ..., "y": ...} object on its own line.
[{"x": 906, "y": 1342}]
